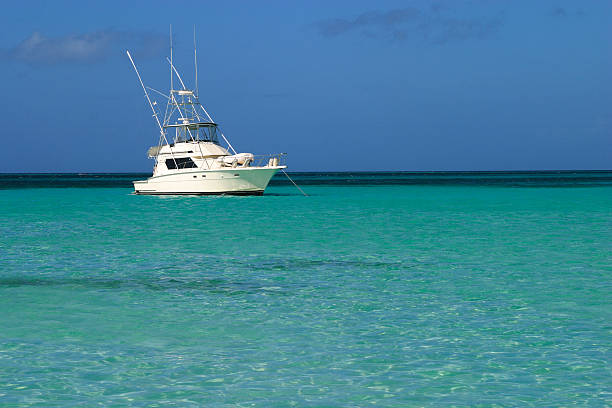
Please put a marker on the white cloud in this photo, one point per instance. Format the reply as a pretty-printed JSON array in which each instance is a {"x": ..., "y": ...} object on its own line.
[{"x": 87, "y": 47}]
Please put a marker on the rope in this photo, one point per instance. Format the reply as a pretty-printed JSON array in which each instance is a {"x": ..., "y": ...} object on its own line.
[{"x": 298, "y": 187}]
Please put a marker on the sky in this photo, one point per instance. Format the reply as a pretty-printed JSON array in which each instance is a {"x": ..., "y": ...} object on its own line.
[{"x": 338, "y": 86}]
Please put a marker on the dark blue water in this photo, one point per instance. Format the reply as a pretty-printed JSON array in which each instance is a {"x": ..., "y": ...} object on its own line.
[{"x": 492, "y": 178}]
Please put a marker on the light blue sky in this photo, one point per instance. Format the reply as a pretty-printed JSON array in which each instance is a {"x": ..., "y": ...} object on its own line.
[{"x": 355, "y": 85}]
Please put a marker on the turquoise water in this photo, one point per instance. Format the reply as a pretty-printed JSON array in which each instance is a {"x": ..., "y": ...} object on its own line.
[{"x": 384, "y": 293}]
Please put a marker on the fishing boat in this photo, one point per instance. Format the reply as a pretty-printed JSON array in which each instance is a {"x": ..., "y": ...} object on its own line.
[{"x": 189, "y": 157}]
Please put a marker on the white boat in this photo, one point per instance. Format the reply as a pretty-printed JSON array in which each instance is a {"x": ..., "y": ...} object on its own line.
[{"x": 189, "y": 159}]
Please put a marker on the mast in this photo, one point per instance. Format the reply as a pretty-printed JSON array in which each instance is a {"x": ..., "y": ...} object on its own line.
[
  {"x": 197, "y": 100},
  {"x": 174, "y": 104}
]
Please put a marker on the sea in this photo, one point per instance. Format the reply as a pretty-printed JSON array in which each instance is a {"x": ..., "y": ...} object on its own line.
[{"x": 388, "y": 289}]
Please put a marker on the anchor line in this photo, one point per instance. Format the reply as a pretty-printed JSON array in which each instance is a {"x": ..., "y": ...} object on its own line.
[{"x": 298, "y": 187}]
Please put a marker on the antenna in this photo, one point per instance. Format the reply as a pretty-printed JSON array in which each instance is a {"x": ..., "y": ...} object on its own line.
[
  {"x": 195, "y": 59},
  {"x": 171, "y": 75}
]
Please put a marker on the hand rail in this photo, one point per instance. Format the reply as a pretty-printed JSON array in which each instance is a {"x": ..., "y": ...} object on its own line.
[{"x": 268, "y": 160}]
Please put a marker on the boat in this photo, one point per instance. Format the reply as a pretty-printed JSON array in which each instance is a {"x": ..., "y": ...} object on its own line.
[{"x": 189, "y": 157}]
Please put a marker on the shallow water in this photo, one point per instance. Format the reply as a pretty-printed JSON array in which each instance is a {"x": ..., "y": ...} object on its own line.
[{"x": 377, "y": 292}]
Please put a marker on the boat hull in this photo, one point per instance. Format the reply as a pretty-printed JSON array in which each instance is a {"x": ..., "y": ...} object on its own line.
[
  {"x": 191, "y": 193},
  {"x": 232, "y": 181}
]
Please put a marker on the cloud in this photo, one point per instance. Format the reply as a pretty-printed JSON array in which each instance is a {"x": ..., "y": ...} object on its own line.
[
  {"x": 278, "y": 95},
  {"x": 562, "y": 12},
  {"x": 371, "y": 19},
  {"x": 436, "y": 25},
  {"x": 83, "y": 48},
  {"x": 559, "y": 12}
]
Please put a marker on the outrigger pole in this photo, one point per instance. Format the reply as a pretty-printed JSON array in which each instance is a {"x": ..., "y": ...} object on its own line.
[
  {"x": 176, "y": 72},
  {"x": 161, "y": 129},
  {"x": 144, "y": 88}
]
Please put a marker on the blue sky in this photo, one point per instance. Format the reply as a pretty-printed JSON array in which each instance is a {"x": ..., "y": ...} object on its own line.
[{"x": 345, "y": 85}]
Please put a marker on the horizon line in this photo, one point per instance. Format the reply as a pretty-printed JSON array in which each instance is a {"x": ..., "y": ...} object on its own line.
[{"x": 339, "y": 171}]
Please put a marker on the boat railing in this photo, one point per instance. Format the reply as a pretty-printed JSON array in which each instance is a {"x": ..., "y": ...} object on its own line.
[{"x": 269, "y": 160}]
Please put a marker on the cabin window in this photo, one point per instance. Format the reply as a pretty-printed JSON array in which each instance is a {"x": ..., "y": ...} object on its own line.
[{"x": 180, "y": 163}]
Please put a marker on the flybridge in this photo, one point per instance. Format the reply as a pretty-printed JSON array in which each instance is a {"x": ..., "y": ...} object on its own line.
[
  {"x": 184, "y": 114},
  {"x": 192, "y": 124}
]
